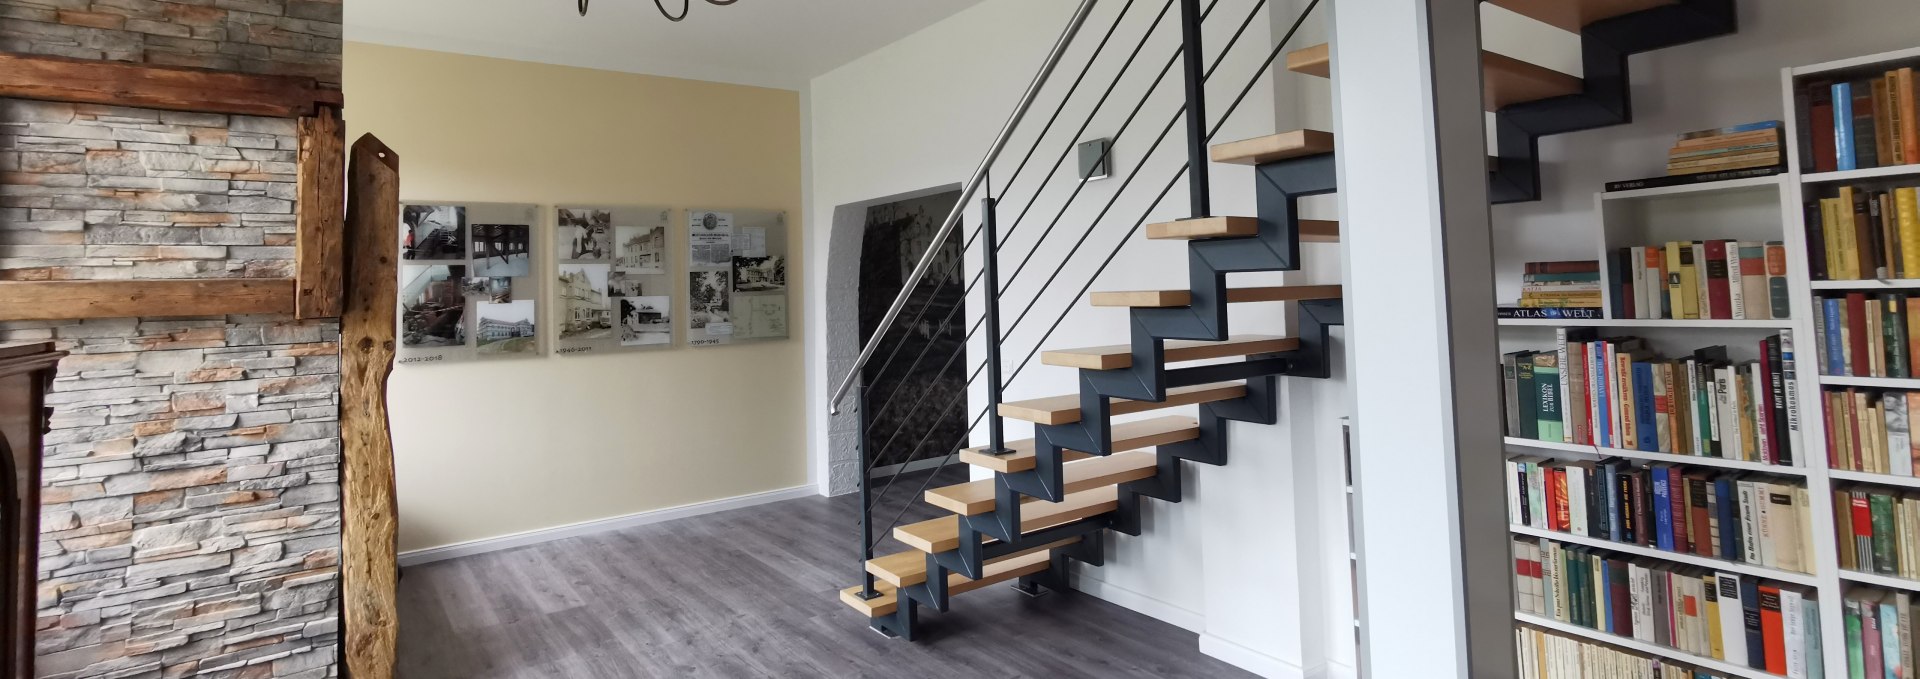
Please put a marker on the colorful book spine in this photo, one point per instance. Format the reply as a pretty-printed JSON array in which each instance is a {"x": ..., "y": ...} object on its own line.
[{"x": 1843, "y": 126}]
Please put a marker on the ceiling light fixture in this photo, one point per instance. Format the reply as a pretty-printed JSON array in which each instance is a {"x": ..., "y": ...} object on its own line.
[{"x": 685, "y": 7}]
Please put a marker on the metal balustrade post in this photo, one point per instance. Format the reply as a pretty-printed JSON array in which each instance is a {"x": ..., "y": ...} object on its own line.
[
  {"x": 1195, "y": 71},
  {"x": 866, "y": 500},
  {"x": 990, "y": 281}
]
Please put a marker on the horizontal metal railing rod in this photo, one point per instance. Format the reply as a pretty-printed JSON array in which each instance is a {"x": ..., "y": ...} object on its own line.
[{"x": 966, "y": 194}]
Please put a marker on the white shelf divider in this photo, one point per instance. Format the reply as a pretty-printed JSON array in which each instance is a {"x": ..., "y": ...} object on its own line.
[
  {"x": 1676, "y": 557},
  {"x": 1639, "y": 646},
  {"x": 1862, "y": 175},
  {"x": 1706, "y": 324},
  {"x": 1880, "y": 382},
  {"x": 1894, "y": 284},
  {"x": 1878, "y": 580},
  {"x": 1866, "y": 477},
  {"x": 1731, "y": 185},
  {"x": 1695, "y": 460}
]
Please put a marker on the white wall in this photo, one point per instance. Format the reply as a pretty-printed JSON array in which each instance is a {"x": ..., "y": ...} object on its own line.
[
  {"x": 1708, "y": 84},
  {"x": 1228, "y": 561}
]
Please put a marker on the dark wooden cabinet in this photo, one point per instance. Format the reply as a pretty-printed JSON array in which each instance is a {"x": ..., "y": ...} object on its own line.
[{"x": 25, "y": 373}]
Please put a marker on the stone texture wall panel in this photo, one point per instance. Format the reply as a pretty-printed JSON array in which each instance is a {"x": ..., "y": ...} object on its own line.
[{"x": 279, "y": 37}]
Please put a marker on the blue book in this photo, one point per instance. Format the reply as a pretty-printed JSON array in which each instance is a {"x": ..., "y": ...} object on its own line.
[
  {"x": 1727, "y": 500},
  {"x": 1750, "y": 615},
  {"x": 1836, "y": 349},
  {"x": 1843, "y": 125},
  {"x": 1605, "y": 614},
  {"x": 1610, "y": 473},
  {"x": 1890, "y": 638},
  {"x": 1662, "y": 510},
  {"x": 1735, "y": 129},
  {"x": 1643, "y": 413}
]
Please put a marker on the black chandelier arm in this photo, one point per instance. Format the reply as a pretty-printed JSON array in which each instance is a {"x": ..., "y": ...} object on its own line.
[{"x": 685, "y": 7}]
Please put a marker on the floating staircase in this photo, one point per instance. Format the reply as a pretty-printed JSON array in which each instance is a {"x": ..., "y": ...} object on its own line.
[
  {"x": 1053, "y": 497},
  {"x": 1531, "y": 101}
]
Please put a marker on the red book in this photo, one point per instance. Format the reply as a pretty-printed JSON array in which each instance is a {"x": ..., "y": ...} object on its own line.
[
  {"x": 1719, "y": 303},
  {"x": 1765, "y": 407},
  {"x": 1862, "y": 520},
  {"x": 1622, "y": 595},
  {"x": 1820, "y": 111},
  {"x": 1697, "y": 484},
  {"x": 1579, "y": 266},
  {"x": 1561, "y": 513},
  {"x": 1871, "y": 649},
  {"x": 1773, "y": 630},
  {"x": 1857, "y": 334}
]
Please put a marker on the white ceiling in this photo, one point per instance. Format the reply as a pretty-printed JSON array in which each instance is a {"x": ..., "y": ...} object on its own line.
[{"x": 771, "y": 43}]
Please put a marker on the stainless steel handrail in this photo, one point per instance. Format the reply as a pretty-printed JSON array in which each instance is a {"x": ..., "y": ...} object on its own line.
[{"x": 959, "y": 208}]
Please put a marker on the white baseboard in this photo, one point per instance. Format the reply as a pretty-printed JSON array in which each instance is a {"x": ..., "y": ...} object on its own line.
[
  {"x": 534, "y": 537},
  {"x": 1192, "y": 621},
  {"x": 1249, "y": 659}
]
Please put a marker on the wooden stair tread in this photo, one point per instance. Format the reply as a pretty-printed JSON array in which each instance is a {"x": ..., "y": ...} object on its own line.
[
  {"x": 1118, "y": 356},
  {"x": 1148, "y": 433},
  {"x": 1311, "y": 230},
  {"x": 909, "y": 568},
  {"x": 1180, "y": 298},
  {"x": 1274, "y": 147},
  {"x": 976, "y": 497},
  {"x": 997, "y": 572},
  {"x": 1506, "y": 80},
  {"x": 1205, "y": 227},
  {"x": 1065, "y": 409},
  {"x": 943, "y": 534},
  {"x": 1573, "y": 15}
]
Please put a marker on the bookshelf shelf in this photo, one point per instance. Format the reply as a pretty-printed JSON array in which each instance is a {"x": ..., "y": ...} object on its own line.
[
  {"x": 1865, "y": 477},
  {"x": 1878, "y": 580},
  {"x": 1879, "y": 382},
  {"x": 1870, "y": 284},
  {"x": 1676, "y": 557},
  {"x": 1859, "y": 175},
  {"x": 1711, "y": 324},
  {"x": 1659, "y": 457},
  {"x": 1729, "y": 186},
  {"x": 1637, "y": 645}
]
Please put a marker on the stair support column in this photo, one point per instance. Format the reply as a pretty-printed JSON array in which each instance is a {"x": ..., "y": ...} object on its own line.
[{"x": 1422, "y": 341}]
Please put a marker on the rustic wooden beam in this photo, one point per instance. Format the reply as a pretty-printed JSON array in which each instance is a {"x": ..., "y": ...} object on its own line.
[
  {"x": 173, "y": 88},
  {"x": 63, "y": 300},
  {"x": 322, "y": 194},
  {"x": 369, "y": 548}
]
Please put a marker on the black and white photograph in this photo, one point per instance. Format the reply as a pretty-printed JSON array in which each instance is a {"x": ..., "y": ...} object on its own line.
[
  {"x": 708, "y": 297},
  {"x": 500, "y": 290},
  {"x": 710, "y": 240},
  {"x": 624, "y": 284},
  {"x": 645, "y": 321},
  {"x": 433, "y": 233},
  {"x": 432, "y": 306},
  {"x": 759, "y": 274},
  {"x": 640, "y": 249},
  {"x": 585, "y": 234},
  {"x": 583, "y": 302},
  {"x": 502, "y": 250},
  {"x": 475, "y": 287},
  {"x": 506, "y": 328}
]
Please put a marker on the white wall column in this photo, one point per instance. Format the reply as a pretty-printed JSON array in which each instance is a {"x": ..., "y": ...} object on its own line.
[{"x": 1422, "y": 345}]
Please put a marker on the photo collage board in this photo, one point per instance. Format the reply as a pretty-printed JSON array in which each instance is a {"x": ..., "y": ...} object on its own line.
[
  {"x": 468, "y": 287},
  {"x": 613, "y": 279},
  {"x": 736, "y": 276}
]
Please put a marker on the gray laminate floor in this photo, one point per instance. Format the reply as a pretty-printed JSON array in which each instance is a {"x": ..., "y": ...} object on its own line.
[{"x": 749, "y": 593}]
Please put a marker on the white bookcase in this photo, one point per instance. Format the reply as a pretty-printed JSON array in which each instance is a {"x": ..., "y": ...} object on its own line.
[{"x": 1766, "y": 208}]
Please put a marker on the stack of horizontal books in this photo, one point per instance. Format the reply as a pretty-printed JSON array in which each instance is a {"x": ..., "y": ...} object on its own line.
[
  {"x": 1558, "y": 290},
  {"x": 1741, "y": 147}
]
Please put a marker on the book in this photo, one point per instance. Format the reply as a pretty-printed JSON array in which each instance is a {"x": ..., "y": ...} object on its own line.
[
  {"x": 1843, "y": 127},
  {"x": 1666, "y": 181}
]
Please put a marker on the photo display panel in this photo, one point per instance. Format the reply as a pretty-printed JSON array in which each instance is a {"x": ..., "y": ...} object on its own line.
[
  {"x": 468, "y": 287},
  {"x": 736, "y": 276},
  {"x": 613, "y": 279}
]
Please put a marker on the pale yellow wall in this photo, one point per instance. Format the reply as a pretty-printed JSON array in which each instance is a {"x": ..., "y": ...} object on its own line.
[{"x": 492, "y": 449}]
